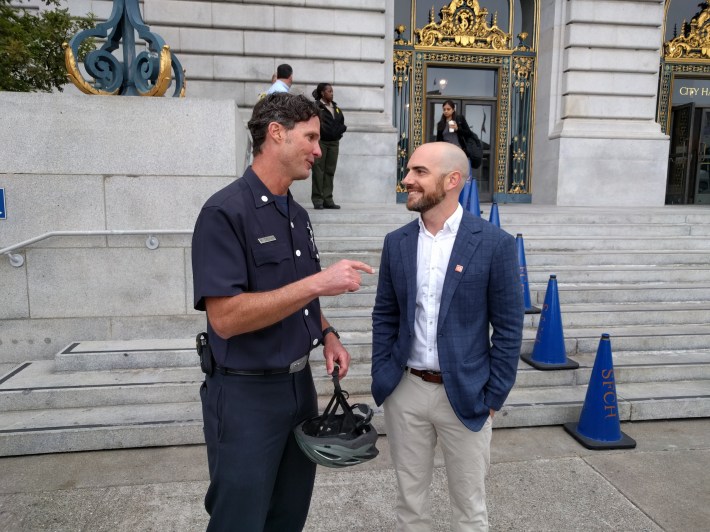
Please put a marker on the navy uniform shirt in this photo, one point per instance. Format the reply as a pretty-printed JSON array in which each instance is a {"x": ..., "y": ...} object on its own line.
[{"x": 244, "y": 243}]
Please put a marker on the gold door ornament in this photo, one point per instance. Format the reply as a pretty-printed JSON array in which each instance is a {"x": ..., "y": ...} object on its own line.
[{"x": 464, "y": 25}]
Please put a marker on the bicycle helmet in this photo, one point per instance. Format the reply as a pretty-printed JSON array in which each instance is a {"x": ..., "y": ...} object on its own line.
[{"x": 339, "y": 440}]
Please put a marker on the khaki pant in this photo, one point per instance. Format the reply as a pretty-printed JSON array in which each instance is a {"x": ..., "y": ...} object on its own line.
[
  {"x": 324, "y": 173},
  {"x": 417, "y": 414}
]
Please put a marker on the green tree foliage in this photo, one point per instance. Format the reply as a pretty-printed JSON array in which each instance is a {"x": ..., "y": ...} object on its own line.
[{"x": 31, "y": 54}]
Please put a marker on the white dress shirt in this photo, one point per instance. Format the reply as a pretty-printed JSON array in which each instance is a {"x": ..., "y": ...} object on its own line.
[
  {"x": 433, "y": 254},
  {"x": 278, "y": 86}
]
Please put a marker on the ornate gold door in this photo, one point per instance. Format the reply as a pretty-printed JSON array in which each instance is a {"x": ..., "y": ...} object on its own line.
[{"x": 467, "y": 54}]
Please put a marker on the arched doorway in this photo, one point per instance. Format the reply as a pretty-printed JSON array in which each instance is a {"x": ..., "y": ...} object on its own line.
[
  {"x": 465, "y": 51},
  {"x": 684, "y": 100}
]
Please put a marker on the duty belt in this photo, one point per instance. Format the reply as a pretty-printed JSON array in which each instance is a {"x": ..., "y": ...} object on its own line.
[{"x": 295, "y": 367}]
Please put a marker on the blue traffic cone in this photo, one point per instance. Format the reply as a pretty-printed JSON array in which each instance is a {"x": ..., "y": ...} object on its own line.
[
  {"x": 523, "y": 268},
  {"x": 464, "y": 197},
  {"x": 494, "y": 218},
  {"x": 599, "y": 427},
  {"x": 549, "y": 350},
  {"x": 474, "y": 207}
]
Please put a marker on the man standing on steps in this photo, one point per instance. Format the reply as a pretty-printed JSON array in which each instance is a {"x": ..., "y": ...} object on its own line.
[
  {"x": 257, "y": 273},
  {"x": 444, "y": 279},
  {"x": 284, "y": 79}
]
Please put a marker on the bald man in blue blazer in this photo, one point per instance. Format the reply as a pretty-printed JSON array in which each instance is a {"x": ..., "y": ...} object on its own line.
[{"x": 446, "y": 279}]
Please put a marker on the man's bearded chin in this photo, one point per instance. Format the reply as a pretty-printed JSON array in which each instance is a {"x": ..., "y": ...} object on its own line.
[{"x": 426, "y": 201}]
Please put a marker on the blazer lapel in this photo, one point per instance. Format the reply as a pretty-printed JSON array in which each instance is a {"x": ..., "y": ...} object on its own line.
[
  {"x": 465, "y": 245},
  {"x": 408, "y": 248}
]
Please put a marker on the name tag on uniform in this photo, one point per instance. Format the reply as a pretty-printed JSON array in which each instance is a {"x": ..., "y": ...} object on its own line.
[{"x": 265, "y": 239}]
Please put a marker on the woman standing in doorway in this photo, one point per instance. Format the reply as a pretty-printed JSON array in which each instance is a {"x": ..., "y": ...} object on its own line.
[
  {"x": 332, "y": 127},
  {"x": 454, "y": 129}
]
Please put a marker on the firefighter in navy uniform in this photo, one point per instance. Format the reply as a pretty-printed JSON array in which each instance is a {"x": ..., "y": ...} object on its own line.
[{"x": 257, "y": 274}]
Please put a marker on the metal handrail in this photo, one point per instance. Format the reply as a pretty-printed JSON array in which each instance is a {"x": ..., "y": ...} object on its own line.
[{"x": 151, "y": 242}]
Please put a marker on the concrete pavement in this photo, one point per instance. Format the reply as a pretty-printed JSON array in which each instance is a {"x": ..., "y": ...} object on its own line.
[{"x": 540, "y": 480}]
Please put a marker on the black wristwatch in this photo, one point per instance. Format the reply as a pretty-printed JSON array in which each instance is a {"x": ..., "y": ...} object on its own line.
[{"x": 330, "y": 330}]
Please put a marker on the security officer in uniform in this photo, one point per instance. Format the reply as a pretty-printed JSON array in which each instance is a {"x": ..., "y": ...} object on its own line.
[{"x": 257, "y": 274}]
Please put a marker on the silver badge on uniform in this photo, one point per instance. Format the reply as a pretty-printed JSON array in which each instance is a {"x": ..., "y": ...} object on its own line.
[{"x": 265, "y": 239}]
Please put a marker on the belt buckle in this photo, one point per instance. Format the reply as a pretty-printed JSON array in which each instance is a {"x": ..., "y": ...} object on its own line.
[{"x": 298, "y": 365}]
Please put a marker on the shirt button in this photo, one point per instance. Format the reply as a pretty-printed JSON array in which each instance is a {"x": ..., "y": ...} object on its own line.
[
  {"x": 264, "y": 199},
  {"x": 315, "y": 342},
  {"x": 292, "y": 226},
  {"x": 298, "y": 252},
  {"x": 306, "y": 312},
  {"x": 318, "y": 255}
]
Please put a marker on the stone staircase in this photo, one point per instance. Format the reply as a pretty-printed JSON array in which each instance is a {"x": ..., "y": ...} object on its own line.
[{"x": 641, "y": 275}]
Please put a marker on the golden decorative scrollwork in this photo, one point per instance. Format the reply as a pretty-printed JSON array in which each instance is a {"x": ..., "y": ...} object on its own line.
[
  {"x": 402, "y": 66},
  {"x": 399, "y": 30},
  {"x": 158, "y": 89},
  {"x": 463, "y": 24},
  {"x": 522, "y": 68},
  {"x": 694, "y": 39},
  {"x": 74, "y": 74},
  {"x": 164, "y": 76}
]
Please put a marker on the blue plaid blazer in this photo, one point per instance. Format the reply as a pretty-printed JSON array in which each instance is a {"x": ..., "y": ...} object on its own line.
[{"x": 481, "y": 289}]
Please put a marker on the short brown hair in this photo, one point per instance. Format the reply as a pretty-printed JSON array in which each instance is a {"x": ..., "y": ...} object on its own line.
[{"x": 282, "y": 107}]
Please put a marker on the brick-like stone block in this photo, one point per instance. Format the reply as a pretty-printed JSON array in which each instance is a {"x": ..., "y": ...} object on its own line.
[
  {"x": 197, "y": 66},
  {"x": 614, "y": 11},
  {"x": 24, "y": 339},
  {"x": 264, "y": 43},
  {"x": 38, "y": 204},
  {"x": 69, "y": 283},
  {"x": 609, "y": 60},
  {"x": 211, "y": 41},
  {"x": 365, "y": 73},
  {"x": 170, "y": 12},
  {"x": 333, "y": 47},
  {"x": 76, "y": 135},
  {"x": 15, "y": 303},
  {"x": 243, "y": 68},
  {"x": 242, "y": 16},
  {"x": 139, "y": 202},
  {"x": 614, "y": 107},
  {"x": 613, "y": 36},
  {"x": 611, "y": 83}
]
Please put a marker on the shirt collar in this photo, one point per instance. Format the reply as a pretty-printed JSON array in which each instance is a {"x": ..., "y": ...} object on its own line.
[
  {"x": 262, "y": 195},
  {"x": 451, "y": 224}
]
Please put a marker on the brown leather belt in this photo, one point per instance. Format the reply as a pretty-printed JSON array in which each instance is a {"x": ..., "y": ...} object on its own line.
[{"x": 427, "y": 375}]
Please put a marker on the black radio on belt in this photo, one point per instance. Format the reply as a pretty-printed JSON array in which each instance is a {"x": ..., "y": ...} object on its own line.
[{"x": 204, "y": 351}]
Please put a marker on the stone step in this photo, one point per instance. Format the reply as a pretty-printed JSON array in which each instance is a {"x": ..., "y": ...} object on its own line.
[
  {"x": 114, "y": 427},
  {"x": 575, "y": 274},
  {"x": 104, "y": 427},
  {"x": 359, "y": 319},
  {"x": 126, "y": 354},
  {"x": 36, "y": 386},
  {"x": 559, "y": 259},
  {"x": 528, "y": 407},
  {"x": 584, "y": 315},
  {"x": 625, "y": 293},
  {"x": 376, "y": 229},
  {"x": 607, "y": 293},
  {"x": 582, "y": 338},
  {"x": 525, "y": 215},
  {"x": 644, "y": 230},
  {"x": 534, "y": 244},
  {"x": 619, "y": 274}
]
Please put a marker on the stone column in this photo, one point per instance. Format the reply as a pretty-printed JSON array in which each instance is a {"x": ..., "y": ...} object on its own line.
[{"x": 596, "y": 139}]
